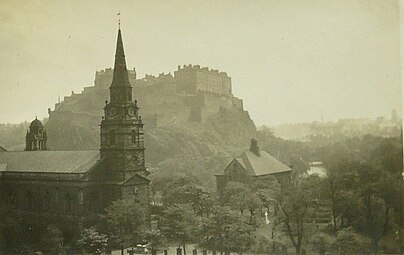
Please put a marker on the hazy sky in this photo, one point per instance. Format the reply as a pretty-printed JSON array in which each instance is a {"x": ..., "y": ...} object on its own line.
[{"x": 291, "y": 61}]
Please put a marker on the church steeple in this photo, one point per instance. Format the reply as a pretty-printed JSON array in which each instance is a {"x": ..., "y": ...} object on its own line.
[
  {"x": 120, "y": 89},
  {"x": 120, "y": 78},
  {"x": 122, "y": 127}
]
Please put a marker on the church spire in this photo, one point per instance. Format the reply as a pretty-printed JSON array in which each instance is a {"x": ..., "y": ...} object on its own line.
[{"x": 120, "y": 78}]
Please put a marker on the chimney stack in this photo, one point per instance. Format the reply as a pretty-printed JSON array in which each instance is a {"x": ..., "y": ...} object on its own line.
[{"x": 254, "y": 148}]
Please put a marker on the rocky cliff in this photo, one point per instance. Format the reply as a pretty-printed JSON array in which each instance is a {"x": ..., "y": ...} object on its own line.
[{"x": 186, "y": 133}]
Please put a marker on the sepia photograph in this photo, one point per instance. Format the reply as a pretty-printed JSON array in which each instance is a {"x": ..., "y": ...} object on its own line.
[{"x": 201, "y": 127}]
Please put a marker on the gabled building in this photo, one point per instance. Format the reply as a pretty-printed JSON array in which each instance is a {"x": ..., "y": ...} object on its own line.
[
  {"x": 79, "y": 182},
  {"x": 254, "y": 163}
]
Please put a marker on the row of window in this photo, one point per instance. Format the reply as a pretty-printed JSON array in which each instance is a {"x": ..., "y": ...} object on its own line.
[
  {"x": 41, "y": 202},
  {"x": 63, "y": 202},
  {"x": 135, "y": 138}
]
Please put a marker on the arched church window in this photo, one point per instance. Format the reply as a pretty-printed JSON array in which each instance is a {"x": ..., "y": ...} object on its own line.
[
  {"x": 133, "y": 136},
  {"x": 10, "y": 199},
  {"x": 68, "y": 203},
  {"x": 47, "y": 201},
  {"x": 93, "y": 202},
  {"x": 28, "y": 200},
  {"x": 112, "y": 137}
]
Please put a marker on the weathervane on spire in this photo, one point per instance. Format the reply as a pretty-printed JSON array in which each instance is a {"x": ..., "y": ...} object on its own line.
[{"x": 119, "y": 19}]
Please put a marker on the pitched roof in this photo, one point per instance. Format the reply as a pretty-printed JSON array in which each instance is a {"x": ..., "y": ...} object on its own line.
[
  {"x": 241, "y": 162},
  {"x": 136, "y": 179},
  {"x": 66, "y": 162},
  {"x": 262, "y": 165}
]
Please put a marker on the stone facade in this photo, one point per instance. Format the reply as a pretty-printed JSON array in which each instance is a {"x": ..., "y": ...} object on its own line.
[
  {"x": 80, "y": 182},
  {"x": 192, "y": 78},
  {"x": 36, "y": 137}
]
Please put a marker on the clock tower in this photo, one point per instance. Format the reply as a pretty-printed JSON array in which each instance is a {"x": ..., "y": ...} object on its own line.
[{"x": 122, "y": 145}]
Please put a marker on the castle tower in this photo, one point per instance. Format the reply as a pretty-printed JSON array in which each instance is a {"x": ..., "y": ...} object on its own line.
[
  {"x": 36, "y": 137},
  {"x": 122, "y": 128}
]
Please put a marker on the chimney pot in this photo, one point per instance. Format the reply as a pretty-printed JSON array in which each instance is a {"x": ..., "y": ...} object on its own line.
[{"x": 254, "y": 148}]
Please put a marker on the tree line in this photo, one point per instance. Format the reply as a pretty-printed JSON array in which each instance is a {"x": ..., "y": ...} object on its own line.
[{"x": 361, "y": 196}]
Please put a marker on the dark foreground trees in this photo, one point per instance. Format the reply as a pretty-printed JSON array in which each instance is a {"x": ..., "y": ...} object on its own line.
[
  {"x": 125, "y": 223},
  {"x": 196, "y": 214},
  {"x": 226, "y": 230},
  {"x": 91, "y": 241},
  {"x": 363, "y": 191},
  {"x": 296, "y": 202},
  {"x": 365, "y": 188},
  {"x": 179, "y": 224}
]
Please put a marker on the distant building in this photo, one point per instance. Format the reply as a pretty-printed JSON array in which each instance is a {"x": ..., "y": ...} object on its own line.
[
  {"x": 192, "y": 95},
  {"x": 254, "y": 163},
  {"x": 79, "y": 182},
  {"x": 36, "y": 137},
  {"x": 193, "y": 78}
]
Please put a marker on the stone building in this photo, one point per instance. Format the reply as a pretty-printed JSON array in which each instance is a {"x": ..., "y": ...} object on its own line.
[
  {"x": 36, "y": 137},
  {"x": 193, "y": 78},
  {"x": 190, "y": 96},
  {"x": 254, "y": 163},
  {"x": 80, "y": 182}
]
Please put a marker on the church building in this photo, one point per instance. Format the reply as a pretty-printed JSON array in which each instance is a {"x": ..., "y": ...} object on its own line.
[
  {"x": 253, "y": 163},
  {"x": 79, "y": 182}
]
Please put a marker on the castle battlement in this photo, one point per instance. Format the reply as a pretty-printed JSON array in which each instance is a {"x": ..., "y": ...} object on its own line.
[
  {"x": 103, "y": 78},
  {"x": 202, "y": 69},
  {"x": 200, "y": 90},
  {"x": 193, "y": 78}
]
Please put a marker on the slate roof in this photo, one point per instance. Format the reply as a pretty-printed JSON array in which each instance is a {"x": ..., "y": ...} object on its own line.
[
  {"x": 241, "y": 162},
  {"x": 66, "y": 162},
  {"x": 136, "y": 179},
  {"x": 263, "y": 165}
]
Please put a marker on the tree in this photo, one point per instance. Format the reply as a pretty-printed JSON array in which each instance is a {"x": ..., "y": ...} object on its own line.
[
  {"x": 296, "y": 204},
  {"x": 52, "y": 240},
  {"x": 179, "y": 224},
  {"x": 226, "y": 230},
  {"x": 92, "y": 241},
  {"x": 378, "y": 195},
  {"x": 341, "y": 177},
  {"x": 240, "y": 197},
  {"x": 155, "y": 240},
  {"x": 125, "y": 222},
  {"x": 365, "y": 187},
  {"x": 321, "y": 242},
  {"x": 349, "y": 242},
  {"x": 200, "y": 198}
]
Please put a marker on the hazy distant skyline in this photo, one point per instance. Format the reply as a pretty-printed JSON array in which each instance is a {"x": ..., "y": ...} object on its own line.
[{"x": 290, "y": 61}]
